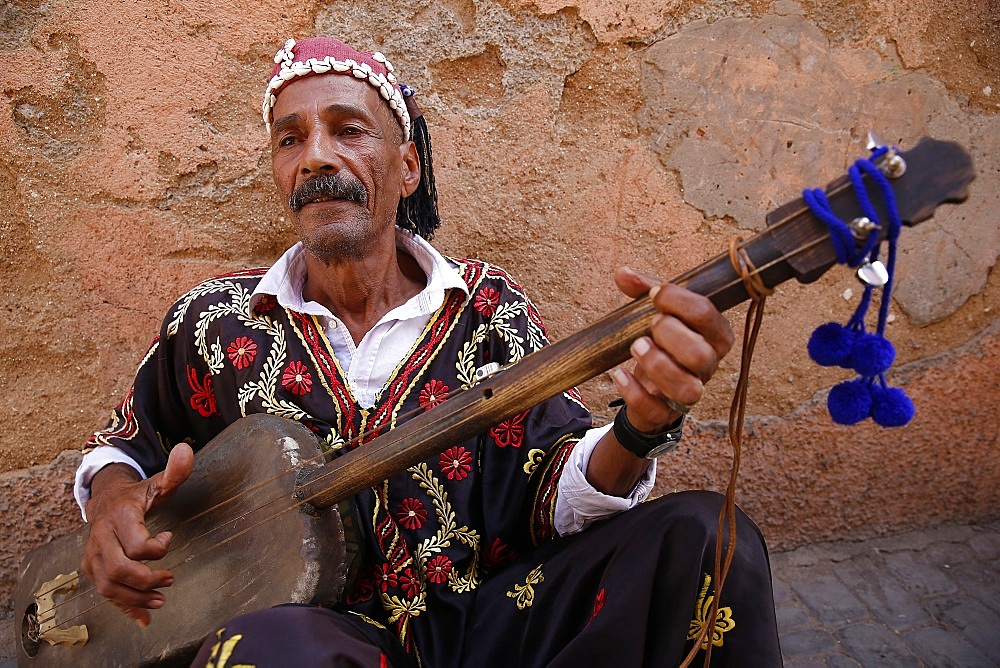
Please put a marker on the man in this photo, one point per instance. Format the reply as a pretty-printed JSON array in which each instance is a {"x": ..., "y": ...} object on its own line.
[{"x": 496, "y": 552}]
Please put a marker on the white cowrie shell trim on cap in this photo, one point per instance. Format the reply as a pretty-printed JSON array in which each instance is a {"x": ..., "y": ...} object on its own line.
[{"x": 291, "y": 69}]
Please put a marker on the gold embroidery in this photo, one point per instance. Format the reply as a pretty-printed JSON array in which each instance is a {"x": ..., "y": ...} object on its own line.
[
  {"x": 448, "y": 531},
  {"x": 466, "y": 364},
  {"x": 403, "y": 611},
  {"x": 398, "y": 607},
  {"x": 368, "y": 619},
  {"x": 221, "y": 651},
  {"x": 723, "y": 621},
  {"x": 524, "y": 595},
  {"x": 535, "y": 457},
  {"x": 500, "y": 323}
]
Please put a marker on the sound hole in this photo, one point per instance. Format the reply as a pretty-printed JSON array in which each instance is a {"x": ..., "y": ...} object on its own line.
[{"x": 29, "y": 631}]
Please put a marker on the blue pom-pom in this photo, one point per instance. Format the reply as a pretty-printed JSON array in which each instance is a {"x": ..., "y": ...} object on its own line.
[
  {"x": 831, "y": 345},
  {"x": 850, "y": 402},
  {"x": 891, "y": 407},
  {"x": 872, "y": 354}
]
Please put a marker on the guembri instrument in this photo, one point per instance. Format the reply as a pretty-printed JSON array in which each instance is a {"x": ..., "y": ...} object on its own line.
[{"x": 264, "y": 519}]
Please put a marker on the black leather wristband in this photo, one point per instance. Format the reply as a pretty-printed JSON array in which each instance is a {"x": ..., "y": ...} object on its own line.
[{"x": 649, "y": 446}]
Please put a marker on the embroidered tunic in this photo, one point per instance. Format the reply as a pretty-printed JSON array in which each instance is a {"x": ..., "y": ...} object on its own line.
[{"x": 431, "y": 532}]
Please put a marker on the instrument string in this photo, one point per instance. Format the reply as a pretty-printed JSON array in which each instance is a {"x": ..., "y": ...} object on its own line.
[{"x": 681, "y": 279}]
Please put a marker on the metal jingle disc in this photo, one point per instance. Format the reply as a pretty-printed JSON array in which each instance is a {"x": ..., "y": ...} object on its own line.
[{"x": 873, "y": 274}]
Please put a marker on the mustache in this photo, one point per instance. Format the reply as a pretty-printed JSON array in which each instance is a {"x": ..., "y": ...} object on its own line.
[{"x": 328, "y": 186}]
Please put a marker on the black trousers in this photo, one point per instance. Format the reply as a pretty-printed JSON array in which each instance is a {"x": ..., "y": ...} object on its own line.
[{"x": 630, "y": 591}]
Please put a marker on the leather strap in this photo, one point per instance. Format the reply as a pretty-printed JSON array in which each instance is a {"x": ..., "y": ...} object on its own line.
[{"x": 727, "y": 516}]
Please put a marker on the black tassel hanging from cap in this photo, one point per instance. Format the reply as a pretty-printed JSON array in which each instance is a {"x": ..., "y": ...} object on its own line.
[{"x": 418, "y": 213}]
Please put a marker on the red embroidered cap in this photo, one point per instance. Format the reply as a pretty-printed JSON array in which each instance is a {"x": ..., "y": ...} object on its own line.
[{"x": 323, "y": 55}]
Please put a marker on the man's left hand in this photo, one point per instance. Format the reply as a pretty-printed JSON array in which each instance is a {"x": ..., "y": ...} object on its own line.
[{"x": 688, "y": 340}]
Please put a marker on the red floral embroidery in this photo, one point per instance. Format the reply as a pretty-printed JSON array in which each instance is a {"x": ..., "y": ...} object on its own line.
[
  {"x": 509, "y": 432},
  {"x": 265, "y": 304},
  {"x": 296, "y": 378},
  {"x": 438, "y": 569},
  {"x": 411, "y": 514},
  {"x": 242, "y": 352},
  {"x": 409, "y": 584},
  {"x": 602, "y": 597},
  {"x": 385, "y": 577},
  {"x": 534, "y": 317},
  {"x": 203, "y": 399},
  {"x": 435, "y": 392},
  {"x": 498, "y": 554},
  {"x": 456, "y": 463},
  {"x": 487, "y": 301},
  {"x": 362, "y": 591}
]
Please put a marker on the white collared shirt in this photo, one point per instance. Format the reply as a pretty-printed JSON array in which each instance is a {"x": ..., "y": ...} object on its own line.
[{"x": 369, "y": 364}]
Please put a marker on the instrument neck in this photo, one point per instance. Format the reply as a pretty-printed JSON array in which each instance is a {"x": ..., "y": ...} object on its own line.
[{"x": 536, "y": 377}]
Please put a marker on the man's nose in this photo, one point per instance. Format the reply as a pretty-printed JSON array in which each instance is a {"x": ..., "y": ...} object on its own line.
[{"x": 321, "y": 154}]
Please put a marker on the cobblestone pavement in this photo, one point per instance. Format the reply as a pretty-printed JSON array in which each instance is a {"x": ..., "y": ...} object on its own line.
[{"x": 928, "y": 598}]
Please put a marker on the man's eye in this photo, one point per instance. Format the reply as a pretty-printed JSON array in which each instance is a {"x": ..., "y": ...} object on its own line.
[{"x": 287, "y": 140}]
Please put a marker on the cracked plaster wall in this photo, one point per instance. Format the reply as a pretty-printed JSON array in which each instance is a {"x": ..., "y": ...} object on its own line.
[{"x": 569, "y": 138}]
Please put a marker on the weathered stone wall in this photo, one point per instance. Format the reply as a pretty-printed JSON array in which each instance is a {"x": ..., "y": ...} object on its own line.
[{"x": 569, "y": 139}]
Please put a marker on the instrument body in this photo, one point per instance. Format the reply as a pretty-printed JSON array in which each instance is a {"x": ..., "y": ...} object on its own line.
[{"x": 230, "y": 560}]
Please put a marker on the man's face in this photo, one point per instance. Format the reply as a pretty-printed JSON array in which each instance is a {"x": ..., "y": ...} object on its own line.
[{"x": 340, "y": 164}]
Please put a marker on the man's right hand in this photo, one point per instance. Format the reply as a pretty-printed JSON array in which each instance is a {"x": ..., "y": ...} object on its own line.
[{"x": 119, "y": 540}]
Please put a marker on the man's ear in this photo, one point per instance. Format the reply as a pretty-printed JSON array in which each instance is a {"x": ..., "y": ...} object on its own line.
[{"x": 410, "y": 167}]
